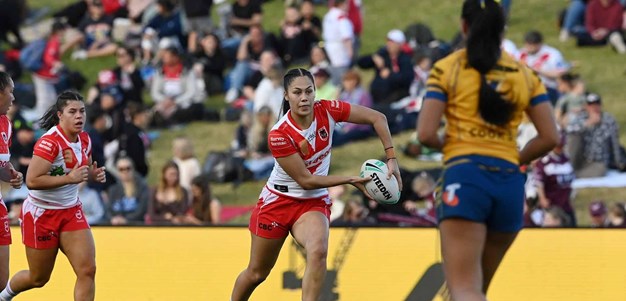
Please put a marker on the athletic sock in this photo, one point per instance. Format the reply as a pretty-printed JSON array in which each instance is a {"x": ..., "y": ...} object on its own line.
[{"x": 7, "y": 294}]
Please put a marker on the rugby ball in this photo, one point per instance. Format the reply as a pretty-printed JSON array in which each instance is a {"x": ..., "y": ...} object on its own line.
[{"x": 382, "y": 190}]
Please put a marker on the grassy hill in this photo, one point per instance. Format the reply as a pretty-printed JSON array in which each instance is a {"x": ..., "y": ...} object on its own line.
[{"x": 602, "y": 69}]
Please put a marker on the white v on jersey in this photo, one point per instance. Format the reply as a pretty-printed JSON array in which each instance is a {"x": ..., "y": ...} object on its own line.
[
  {"x": 54, "y": 147},
  {"x": 313, "y": 145}
]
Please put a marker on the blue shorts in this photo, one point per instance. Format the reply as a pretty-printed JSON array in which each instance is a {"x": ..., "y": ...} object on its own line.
[{"x": 483, "y": 189}]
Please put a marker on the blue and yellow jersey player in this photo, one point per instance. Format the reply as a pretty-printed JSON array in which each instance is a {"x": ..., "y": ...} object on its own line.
[{"x": 483, "y": 94}]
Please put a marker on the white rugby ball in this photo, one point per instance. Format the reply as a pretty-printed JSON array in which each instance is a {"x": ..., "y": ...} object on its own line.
[{"x": 382, "y": 190}]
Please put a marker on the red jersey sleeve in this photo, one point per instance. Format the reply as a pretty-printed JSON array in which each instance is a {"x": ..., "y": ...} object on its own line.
[
  {"x": 280, "y": 144},
  {"x": 339, "y": 110},
  {"x": 86, "y": 141},
  {"x": 46, "y": 148}
]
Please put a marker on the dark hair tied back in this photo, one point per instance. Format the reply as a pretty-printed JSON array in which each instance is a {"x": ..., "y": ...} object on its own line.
[{"x": 486, "y": 22}]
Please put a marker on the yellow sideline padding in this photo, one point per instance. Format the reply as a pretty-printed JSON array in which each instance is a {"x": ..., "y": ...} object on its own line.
[{"x": 380, "y": 264}]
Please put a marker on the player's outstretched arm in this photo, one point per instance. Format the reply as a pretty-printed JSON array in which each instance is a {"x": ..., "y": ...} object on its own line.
[{"x": 295, "y": 168}]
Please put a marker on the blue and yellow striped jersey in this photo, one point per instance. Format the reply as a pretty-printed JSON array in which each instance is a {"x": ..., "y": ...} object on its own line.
[{"x": 453, "y": 81}]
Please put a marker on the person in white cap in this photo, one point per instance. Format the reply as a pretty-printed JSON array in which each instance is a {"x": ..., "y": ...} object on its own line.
[{"x": 394, "y": 70}]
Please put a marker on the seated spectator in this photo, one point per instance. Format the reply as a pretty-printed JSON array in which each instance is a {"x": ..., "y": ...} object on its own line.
[
  {"x": 211, "y": 62},
  {"x": 259, "y": 159},
  {"x": 128, "y": 75},
  {"x": 354, "y": 93},
  {"x": 270, "y": 92},
  {"x": 22, "y": 146},
  {"x": 354, "y": 214},
  {"x": 11, "y": 17},
  {"x": 593, "y": 140},
  {"x": 555, "y": 217},
  {"x": 553, "y": 176},
  {"x": 245, "y": 14},
  {"x": 338, "y": 35},
  {"x": 107, "y": 95},
  {"x": 292, "y": 40},
  {"x": 617, "y": 216},
  {"x": 572, "y": 99},
  {"x": 133, "y": 141},
  {"x": 597, "y": 212},
  {"x": 204, "y": 209},
  {"x": 47, "y": 76},
  {"x": 252, "y": 46},
  {"x": 185, "y": 158},
  {"x": 175, "y": 92},
  {"x": 96, "y": 29},
  {"x": 421, "y": 201},
  {"x": 311, "y": 25},
  {"x": 198, "y": 15},
  {"x": 98, "y": 123},
  {"x": 547, "y": 61},
  {"x": 603, "y": 23},
  {"x": 267, "y": 61},
  {"x": 393, "y": 68},
  {"x": 324, "y": 87},
  {"x": 170, "y": 201},
  {"x": 128, "y": 198},
  {"x": 573, "y": 22},
  {"x": 239, "y": 146},
  {"x": 166, "y": 24},
  {"x": 318, "y": 58},
  {"x": 421, "y": 68},
  {"x": 91, "y": 203}
]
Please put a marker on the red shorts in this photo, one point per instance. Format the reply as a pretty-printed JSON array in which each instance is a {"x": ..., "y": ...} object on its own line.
[
  {"x": 275, "y": 214},
  {"x": 41, "y": 227},
  {"x": 5, "y": 232}
]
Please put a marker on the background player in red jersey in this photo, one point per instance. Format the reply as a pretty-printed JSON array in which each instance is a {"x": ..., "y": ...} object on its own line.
[
  {"x": 52, "y": 217},
  {"x": 7, "y": 172},
  {"x": 295, "y": 199}
]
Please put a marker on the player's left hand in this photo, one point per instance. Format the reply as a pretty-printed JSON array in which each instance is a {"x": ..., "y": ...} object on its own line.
[
  {"x": 394, "y": 169},
  {"x": 17, "y": 179},
  {"x": 98, "y": 173}
]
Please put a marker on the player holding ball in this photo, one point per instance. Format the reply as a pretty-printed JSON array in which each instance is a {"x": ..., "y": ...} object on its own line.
[{"x": 295, "y": 199}]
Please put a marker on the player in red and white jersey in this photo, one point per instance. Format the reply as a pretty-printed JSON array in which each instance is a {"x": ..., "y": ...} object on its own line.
[
  {"x": 7, "y": 172},
  {"x": 52, "y": 217},
  {"x": 295, "y": 199}
]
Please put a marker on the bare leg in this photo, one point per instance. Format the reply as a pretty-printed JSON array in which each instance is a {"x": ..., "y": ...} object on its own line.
[
  {"x": 263, "y": 255},
  {"x": 40, "y": 265},
  {"x": 495, "y": 247},
  {"x": 80, "y": 250},
  {"x": 311, "y": 232},
  {"x": 104, "y": 51},
  {"x": 4, "y": 266},
  {"x": 462, "y": 244}
]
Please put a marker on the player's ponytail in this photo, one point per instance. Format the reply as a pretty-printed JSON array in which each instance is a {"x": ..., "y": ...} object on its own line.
[
  {"x": 288, "y": 79},
  {"x": 486, "y": 22},
  {"x": 51, "y": 118}
]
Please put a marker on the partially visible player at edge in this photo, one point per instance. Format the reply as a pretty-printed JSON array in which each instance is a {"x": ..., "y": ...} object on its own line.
[
  {"x": 52, "y": 218},
  {"x": 295, "y": 198},
  {"x": 483, "y": 93},
  {"x": 7, "y": 172}
]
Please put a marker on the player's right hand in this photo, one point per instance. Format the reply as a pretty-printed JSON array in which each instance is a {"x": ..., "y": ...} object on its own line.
[{"x": 79, "y": 174}]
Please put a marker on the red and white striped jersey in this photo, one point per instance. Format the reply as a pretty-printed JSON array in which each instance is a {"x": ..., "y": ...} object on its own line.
[
  {"x": 6, "y": 131},
  {"x": 54, "y": 147},
  {"x": 312, "y": 144}
]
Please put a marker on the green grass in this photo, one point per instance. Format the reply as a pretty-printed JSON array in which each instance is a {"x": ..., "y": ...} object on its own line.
[{"x": 602, "y": 69}]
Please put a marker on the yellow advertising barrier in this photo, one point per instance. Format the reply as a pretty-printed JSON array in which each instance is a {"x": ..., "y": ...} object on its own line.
[{"x": 378, "y": 264}]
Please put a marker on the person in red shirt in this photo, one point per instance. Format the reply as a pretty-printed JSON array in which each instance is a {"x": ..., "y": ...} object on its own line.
[
  {"x": 7, "y": 172},
  {"x": 295, "y": 199},
  {"x": 45, "y": 78},
  {"x": 52, "y": 218},
  {"x": 603, "y": 21}
]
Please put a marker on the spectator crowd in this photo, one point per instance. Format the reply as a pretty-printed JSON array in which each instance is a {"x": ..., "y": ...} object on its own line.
[{"x": 171, "y": 55}]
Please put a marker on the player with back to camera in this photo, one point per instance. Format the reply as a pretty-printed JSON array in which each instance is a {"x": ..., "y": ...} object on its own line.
[
  {"x": 295, "y": 198},
  {"x": 7, "y": 172},
  {"x": 483, "y": 93},
  {"x": 52, "y": 218}
]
